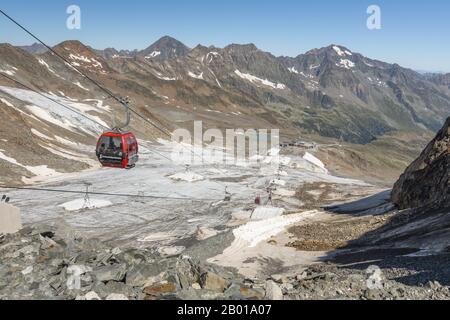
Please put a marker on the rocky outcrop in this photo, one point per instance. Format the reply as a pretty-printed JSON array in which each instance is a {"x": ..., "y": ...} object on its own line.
[
  {"x": 46, "y": 263},
  {"x": 426, "y": 181}
]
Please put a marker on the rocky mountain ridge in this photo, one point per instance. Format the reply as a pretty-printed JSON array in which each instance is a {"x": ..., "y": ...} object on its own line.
[
  {"x": 165, "y": 48},
  {"x": 426, "y": 182},
  {"x": 330, "y": 92}
]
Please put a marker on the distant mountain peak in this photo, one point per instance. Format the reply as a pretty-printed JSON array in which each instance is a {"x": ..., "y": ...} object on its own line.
[
  {"x": 168, "y": 39},
  {"x": 80, "y": 55},
  {"x": 71, "y": 45},
  {"x": 35, "y": 48},
  {"x": 242, "y": 47},
  {"x": 334, "y": 49},
  {"x": 165, "y": 48}
]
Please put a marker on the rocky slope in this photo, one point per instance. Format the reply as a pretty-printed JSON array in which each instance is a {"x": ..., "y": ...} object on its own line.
[
  {"x": 426, "y": 182},
  {"x": 423, "y": 196},
  {"x": 442, "y": 79},
  {"x": 48, "y": 263}
]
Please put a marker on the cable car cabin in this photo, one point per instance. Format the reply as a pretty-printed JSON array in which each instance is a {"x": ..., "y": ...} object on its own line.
[{"x": 117, "y": 150}]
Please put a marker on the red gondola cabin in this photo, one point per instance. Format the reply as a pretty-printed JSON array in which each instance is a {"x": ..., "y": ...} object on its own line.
[{"x": 117, "y": 150}]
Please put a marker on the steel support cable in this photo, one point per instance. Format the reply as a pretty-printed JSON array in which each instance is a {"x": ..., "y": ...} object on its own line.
[
  {"x": 106, "y": 193},
  {"x": 107, "y": 91}
]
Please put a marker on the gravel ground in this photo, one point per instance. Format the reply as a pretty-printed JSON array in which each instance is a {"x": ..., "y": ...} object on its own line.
[
  {"x": 333, "y": 233},
  {"x": 368, "y": 282},
  {"x": 401, "y": 265}
]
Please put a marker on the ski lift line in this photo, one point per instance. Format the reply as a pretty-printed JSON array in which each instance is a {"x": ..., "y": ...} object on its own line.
[
  {"x": 151, "y": 150},
  {"x": 157, "y": 153},
  {"x": 53, "y": 100},
  {"x": 107, "y": 91},
  {"x": 106, "y": 194},
  {"x": 69, "y": 108}
]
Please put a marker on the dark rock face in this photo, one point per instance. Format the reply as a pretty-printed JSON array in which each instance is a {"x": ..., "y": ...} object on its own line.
[{"x": 426, "y": 182}]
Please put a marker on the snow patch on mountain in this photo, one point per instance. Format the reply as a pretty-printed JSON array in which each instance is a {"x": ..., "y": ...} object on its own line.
[
  {"x": 167, "y": 78},
  {"x": 50, "y": 117},
  {"x": 154, "y": 54},
  {"x": 342, "y": 52},
  {"x": 256, "y": 80},
  {"x": 378, "y": 82},
  {"x": 45, "y": 64},
  {"x": 193, "y": 75},
  {"x": 211, "y": 55},
  {"x": 40, "y": 172},
  {"x": 99, "y": 106},
  {"x": 307, "y": 75},
  {"x": 8, "y": 72},
  {"x": 214, "y": 75},
  {"x": 252, "y": 233},
  {"x": 94, "y": 63},
  {"x": 315, "y": 161},
  {"x": 339, "y": 51},
  {"x": 80, "y": 58},
  {"x": 163, "y": 77},
  {"x": 78, "y": 84},
  {"x": 293, "y": 70},
  {"x": 8, "y": 159},
  {"x": 6, "y": 102},
  {"x": 345, "y": 63},
  {"x": 52, "y": 112},
  {"x": 40, "y": 135}
]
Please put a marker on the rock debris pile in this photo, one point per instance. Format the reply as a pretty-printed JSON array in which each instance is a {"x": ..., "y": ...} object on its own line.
[{"x": 39, "y": 263}]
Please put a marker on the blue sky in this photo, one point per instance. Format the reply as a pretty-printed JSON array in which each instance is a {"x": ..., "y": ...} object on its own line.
[{"x": 414, "y": 34}]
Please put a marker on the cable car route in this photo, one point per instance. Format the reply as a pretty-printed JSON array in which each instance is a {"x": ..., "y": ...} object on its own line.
[
  {"x": 125, "y": 145},
  {"x": 69, "y": 108},
  {"x": 143, "y": 196}
]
